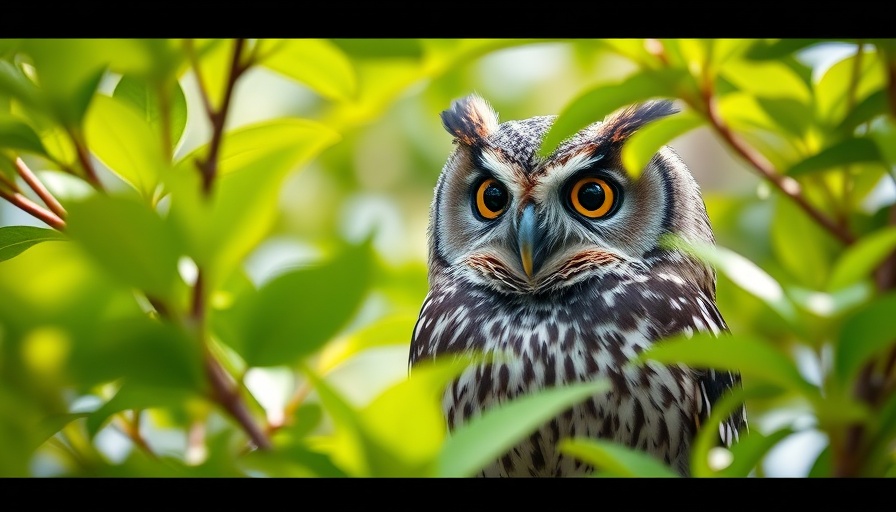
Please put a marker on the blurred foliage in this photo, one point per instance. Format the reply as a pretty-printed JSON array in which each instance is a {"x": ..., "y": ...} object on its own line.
[{"x": 213, "y": 239}]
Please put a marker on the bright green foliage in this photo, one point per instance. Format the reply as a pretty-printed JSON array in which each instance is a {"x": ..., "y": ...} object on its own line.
[{"x": 241, "y": 235}]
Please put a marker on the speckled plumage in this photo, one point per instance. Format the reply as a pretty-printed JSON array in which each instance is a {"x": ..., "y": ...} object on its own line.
[{"x": 597, "y": 291}]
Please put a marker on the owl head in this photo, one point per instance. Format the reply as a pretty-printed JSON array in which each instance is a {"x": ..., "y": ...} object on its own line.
[{"x": 511, "y": 220}]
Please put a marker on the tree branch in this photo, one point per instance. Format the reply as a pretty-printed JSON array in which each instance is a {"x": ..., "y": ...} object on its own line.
[
  {"x": 39, "y": 188},
  {"x": 218, "y": 117},
  {"x": 787, "y": 185},
  {"x": 34, "y": 209}
]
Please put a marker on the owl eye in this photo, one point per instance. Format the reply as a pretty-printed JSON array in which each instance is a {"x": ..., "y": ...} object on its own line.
[
  {"x": 491, "y": 198},
  {"x": 592, "y": 197}
]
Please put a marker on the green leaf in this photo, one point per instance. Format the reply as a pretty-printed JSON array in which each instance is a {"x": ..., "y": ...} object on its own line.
[
  {"x": 872, "y": 106},
  {"x": 707, "y": 439},
  {"x": 405, "y": 424},
  {"x": 129, "y": 241},
  {"x": 142, "y": 351},
  {"x": 841, "y": 88},
  {"x": 800, "y": 245},
  {"x": 294, "y": 314},
  {"x": 742, "y": 272},
  {"x": 19, "y": 136},
  {"x": 640, "y": 148},
  {"x": 859, "y": 260},
  {"x": 778, "y": 48},
  {"x": 388, "y": 330},
  {"x": 845, "y": 152},
  {"x": 767, "y": 79},
  {"x": 616, "y": 460},
  {"x": 130, "y": 397},
  {"x": 867, "y": 332},
  {"x": 119, "y": 136},
  {"x": 16, "y": 239},
  {"x": 317, "y": 63},
  {"x": 156, "y": 105},
  {"x": 752, "y": 357},
  {"x": 484, "y": 439},
  {"x": 222, "y": 229},
  {"x": 595, "y": 104},
  {"x": 380, "y": 48},
  {"x": 834, "y": 303},
  {"x": 749, "y": 451},
  {"x": 791, "y": 115}
]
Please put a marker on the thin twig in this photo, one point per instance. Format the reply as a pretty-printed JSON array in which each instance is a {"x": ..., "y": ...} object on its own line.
[
  {"x": 34, "y": 209},
  {"x": 86, "y": 163},
  {"x": 39, "y": 188},
  {"x": 787, "y": 185},
  {"x": 209, "y": 166},
  {"x": 226, "y": 393}
]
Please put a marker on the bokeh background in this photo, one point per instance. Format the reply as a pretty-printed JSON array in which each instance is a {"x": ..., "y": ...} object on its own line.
[{"x": 378, "y": 181}]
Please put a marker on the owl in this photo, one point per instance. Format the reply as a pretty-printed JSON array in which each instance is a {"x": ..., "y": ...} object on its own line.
[{"x": 556, "y": 263}]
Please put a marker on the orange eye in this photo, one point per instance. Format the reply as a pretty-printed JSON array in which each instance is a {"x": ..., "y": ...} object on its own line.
[
  {"x": 592, "y": 197},
  {"x": 491, "y": 198}
]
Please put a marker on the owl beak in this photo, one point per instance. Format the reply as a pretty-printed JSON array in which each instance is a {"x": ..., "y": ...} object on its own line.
[{"x": 527, "y": 236}]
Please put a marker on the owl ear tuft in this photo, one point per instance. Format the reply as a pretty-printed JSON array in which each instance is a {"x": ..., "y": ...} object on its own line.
[
  {"x": 621, "y": 124},
  {"x": 470, "y": 119}
]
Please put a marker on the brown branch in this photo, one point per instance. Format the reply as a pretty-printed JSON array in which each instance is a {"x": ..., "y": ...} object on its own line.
[
  {"x": 209, "y": 166},
  {"x": 86, "y": 163},
  {"x": 787, "y": 185},
  {"x": 39, "y": 189},
  {"x": 34, "y": 209},
  {"x": 226, "y": 393}
]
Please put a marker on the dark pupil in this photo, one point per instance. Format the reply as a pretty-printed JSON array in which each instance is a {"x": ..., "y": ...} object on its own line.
[
  {"x": 494, "y": 198},
  {"x": 591, "y": 196}
]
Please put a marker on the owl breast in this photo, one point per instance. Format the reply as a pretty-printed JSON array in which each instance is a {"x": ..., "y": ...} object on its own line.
[{"x": 580, "y": 333}]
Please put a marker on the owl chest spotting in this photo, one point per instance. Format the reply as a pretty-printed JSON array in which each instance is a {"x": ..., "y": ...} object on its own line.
[{"x": 579, "y": 334}]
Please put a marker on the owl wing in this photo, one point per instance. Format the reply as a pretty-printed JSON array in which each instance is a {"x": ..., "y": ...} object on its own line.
[{"x": 713, "y": 384}]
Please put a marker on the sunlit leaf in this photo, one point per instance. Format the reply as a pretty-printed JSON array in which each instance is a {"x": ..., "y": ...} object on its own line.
[
  {"x": 767, "y": 79},
  {"x": 751, "y": 356},
  {"x": 612, "y": 459},
  {"x": 295, "y": 313},
  {"x": 749, "y": 451},
  {"x": 119, "y": 136},
  {"x": 53, "y": 424},
  {"x": 869, "y": 331},
  {"x": 389, "y": 330},
  {"x": 157, "y": 105},
  {"x": 846, "y": 152},
  {"x": 254, "y": 160},
  {"x": 742, "y": 272},
  {"x": 129, "y": 240},
  {"x": 707, "y": 438},
  {"x": 595, "y": 104},
  {"x": 845, "y": 84},
  {"x": 643, "y": 145},
  {"x": 833, "y": 303},
  {"x": 789, "y": 114},
  {"x": 407, "y": 425},
  {"x": 859, "y": 260},
  {"x": 317, "y": 63},
  {"x": 15, "y": 239},
  {"x": 484, "y": 439}
]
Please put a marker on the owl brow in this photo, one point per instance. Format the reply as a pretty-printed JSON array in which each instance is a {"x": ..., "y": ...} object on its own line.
[
  {"x": 567, "y": 168},
  {"x": 499, "y": 167}
]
